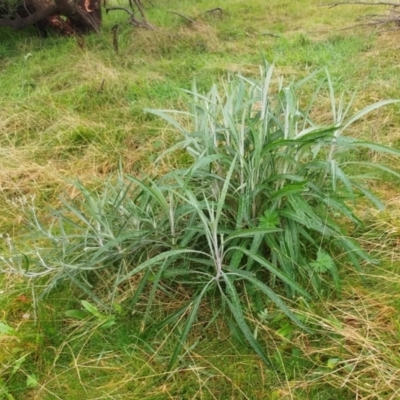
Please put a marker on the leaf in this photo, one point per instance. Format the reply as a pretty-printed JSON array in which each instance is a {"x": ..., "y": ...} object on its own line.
[
  {"x": 156, "y": 260},
  {"x": 154, "y": 191},
  {"x": 367, "y": 110},
  {"x": 156, "y": 286},
  {"x": 172, "y": 318},
  {"x": 109, "y": 321},
  {"x": 165, "y": 115},
  {"x": 224, "y": 192},
  {"x": 32, "y": 381},
  {"x": 253, "y": 231},
  {"x": 323, "y": 263},
  {"x": 332, "y": 362},
  {"x": 273, "y": 296},
  {"x": 18, "y": 363},
  {"x": 236, "y": 309},
  {"x": 255, "y": 245},
  {"x": 6, "y": 329},
  {"x": 92, "y": 309},
  {"x": 274, "y": 270},
  {"x": 26, "y": 263},
  {"x": 189, "y": 322},
  {"x": 270, "y": 219},
  {"x": 118, "y": 309},
  {"x": 285, "y": 331},
  {"x": 375, "y": 166},
  {"x": 77, "y": 314}
]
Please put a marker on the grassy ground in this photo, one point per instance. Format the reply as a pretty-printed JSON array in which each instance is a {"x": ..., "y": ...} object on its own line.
[{"x": 74, "y": 108}]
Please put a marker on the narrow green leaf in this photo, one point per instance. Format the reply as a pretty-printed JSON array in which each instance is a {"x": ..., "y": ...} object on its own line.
[
  {"x": 255, "y": 245},
  {"x": 165, "y": 115},
  {"x": 366, "y": 111},
  {"x": 377, "y": 166},
  {"x": 17, "y": 365},
  {"x": 77, "y": 314},
  {"x": 155, "y": 287},
  {"x": 222, "y": 197},
  {"x": 156, "y": 260},
  {"x": 153, "y": 191},
  {"x": 275, "y": 271},
  {"x": 92, "y": 309},
  {"x": 289, "y": 190},
  {"x": 272, "y": 295},
  {"x": 189, "y": 322},
  {"x": 251, "y": 232},
  {"x": 370, "y": 196},
  {"x": 236, "y": 309},
  {"x": 172, "y": 318}
]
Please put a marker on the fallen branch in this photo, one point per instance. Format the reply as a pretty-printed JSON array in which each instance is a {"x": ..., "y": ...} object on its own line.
[
  {"x": 364, "y": 3},
  {"x": 374, "y": 20}
]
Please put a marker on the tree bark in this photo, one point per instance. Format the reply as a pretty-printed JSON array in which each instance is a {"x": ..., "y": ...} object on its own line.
[
  {"x": 19, "y": 24},
  {"x": 65, "y": 16}
]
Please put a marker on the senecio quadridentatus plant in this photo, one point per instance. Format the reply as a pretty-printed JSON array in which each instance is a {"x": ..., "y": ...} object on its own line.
[{"x": 263, "y": 211}]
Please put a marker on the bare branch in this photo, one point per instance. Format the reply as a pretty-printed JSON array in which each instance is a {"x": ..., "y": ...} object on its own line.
[
  {"x": 127, "y": 10},
  {"x": 132, "y": 19},
  {"x": 87, "y": 19},
  {"x": 140, "y": 8},
  {"x": 376, "y": 22},
  {"x": 193, "y": 19}
]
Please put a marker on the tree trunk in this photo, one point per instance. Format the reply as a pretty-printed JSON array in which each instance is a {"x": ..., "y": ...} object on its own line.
[{"x": 63, "y": 16}]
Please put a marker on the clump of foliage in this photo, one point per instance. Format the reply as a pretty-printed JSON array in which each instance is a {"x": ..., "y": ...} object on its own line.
[{"x": 258, "y": 214}]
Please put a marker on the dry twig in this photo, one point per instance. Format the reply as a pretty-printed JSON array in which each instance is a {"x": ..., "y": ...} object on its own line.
[
  {"x": 182, "y": 16},
  {"x": 214, "y": 10},
  {"x": 193, "y": 19},
  {"x": 114, "y": 30}
]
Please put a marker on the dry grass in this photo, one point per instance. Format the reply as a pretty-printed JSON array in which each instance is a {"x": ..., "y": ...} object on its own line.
[
  {"x": 359, "y": 352},
  {"x": 354, "y": 348}
]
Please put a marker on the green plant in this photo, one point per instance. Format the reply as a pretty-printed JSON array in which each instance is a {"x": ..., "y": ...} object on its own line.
[
  {"x": 259, "y": 214},
  {"x": 102, "y": 320},
  {"x": 12, "y": 364}
]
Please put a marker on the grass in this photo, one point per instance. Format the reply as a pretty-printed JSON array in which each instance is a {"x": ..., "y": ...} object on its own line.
[{"x": 68, "y": 112}]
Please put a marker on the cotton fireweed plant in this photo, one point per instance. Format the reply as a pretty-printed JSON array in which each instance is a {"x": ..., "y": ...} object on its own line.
[{"x": 259, "y": 215}]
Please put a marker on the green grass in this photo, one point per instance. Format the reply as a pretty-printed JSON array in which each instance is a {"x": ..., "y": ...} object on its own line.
[{"x": 68, "y": 112}]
